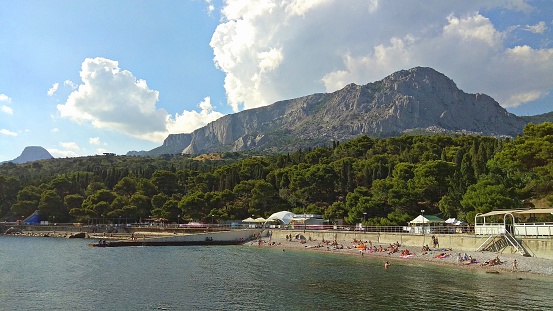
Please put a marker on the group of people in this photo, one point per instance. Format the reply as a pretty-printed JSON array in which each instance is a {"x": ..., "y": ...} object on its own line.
[{"x": 492, "y": 262}]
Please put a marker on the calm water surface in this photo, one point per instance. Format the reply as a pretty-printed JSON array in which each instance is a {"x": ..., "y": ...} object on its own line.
[{"x": 65, "y": 274}]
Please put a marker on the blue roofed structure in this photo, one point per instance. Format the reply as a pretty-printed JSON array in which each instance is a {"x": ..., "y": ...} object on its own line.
[{"x": 33, "y": 219}]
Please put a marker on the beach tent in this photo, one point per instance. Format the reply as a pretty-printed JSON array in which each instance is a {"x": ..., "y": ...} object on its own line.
[
  {"x": 455, "y": 222},
  {"x": 283, "y": 216},
  {"x": 260, "y": 219},
  {"x": 249, "y": 219}
]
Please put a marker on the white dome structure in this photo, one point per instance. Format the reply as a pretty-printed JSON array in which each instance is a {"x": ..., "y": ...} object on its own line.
[{"x": 283, "y": 216}]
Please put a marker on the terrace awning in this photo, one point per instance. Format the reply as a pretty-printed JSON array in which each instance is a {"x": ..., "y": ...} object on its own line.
[{"x": 537, "y": 211}]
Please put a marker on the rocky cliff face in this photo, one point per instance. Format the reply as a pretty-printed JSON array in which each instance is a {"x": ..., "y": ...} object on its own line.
[
  {"x": 173, "y": 144},
  {"x": 31, "y": 154},
  {"x": 416, "y": 99}
]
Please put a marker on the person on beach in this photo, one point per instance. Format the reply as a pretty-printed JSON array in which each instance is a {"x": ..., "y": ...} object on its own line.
[
  {"x": 515, "y": 265},
  {"x": 386, "y": 265}
]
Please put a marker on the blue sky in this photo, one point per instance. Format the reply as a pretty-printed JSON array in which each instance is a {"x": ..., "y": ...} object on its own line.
[{"x": 85, "y": 77}]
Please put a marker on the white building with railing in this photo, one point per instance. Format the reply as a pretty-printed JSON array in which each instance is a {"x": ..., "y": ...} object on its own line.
[{"x": 505, "y": 221}]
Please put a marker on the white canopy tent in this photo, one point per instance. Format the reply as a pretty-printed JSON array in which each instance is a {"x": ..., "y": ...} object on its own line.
[
  {"x": 455, "y": 222},
  {"x": 283, "y": 216}
]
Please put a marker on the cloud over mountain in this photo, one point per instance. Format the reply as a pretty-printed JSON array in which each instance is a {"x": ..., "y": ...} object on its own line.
[{"x": 271, "y": 51}]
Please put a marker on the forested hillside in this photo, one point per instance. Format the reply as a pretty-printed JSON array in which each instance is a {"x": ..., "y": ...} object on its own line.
[{"x": 391, "y": 180}]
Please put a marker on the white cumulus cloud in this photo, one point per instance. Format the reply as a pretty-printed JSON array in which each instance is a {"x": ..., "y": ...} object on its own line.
[
  {"x": 540, "y": 27},
  {"x": 56, "y": 153},
  {"x": 5, "y": 98},
  {"x": 53, "y": 89},
  {"x": 70, "y": 145},
  {"x": 274, "y": 50},
  {"x": 114, "y": 99},
  {"x": 188, "y": 121},
  {"x": 7, "y": 110},
  {"x": 7, "y": 132},
  {"x": 70, "y": 84},
  {"x": 94, "y": 140}
]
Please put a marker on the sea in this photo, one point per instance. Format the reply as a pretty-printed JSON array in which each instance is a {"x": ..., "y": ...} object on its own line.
[{"x": 40, "y": 273}]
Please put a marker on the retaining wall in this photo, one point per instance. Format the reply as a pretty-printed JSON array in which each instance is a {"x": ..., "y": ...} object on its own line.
[{"x": 538, "y": 247}]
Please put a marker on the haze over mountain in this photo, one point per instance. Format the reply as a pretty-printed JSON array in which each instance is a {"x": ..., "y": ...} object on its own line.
[
  {"x": 418, "y": 99},
  {"x": 31, "y": 154}
]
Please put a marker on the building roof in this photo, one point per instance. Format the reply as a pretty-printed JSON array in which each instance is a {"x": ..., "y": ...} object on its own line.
[
  {"x": 518, "y": 212},
  {"x": 426, "y": 219}
]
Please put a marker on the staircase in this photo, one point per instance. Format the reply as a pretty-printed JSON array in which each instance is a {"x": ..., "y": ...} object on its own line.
[{"x": 497, "y": 243}]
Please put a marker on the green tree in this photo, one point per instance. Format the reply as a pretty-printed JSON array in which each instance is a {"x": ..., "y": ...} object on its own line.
[
  {"x": 486, "y": 196},
  {"x": 126, "y": 187},
  {"x": 165, "y": 181},
  {"x": 51, "y": 205}
]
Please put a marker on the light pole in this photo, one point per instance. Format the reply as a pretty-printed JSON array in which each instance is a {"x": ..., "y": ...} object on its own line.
[
  {"x": 423, "y": 233},
  {"x": 212, "y": 219},
  {"x": 364, "y": 220}
]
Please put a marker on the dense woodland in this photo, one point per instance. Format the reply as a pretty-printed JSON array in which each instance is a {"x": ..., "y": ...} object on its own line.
[{"x": 391, "y": 180}]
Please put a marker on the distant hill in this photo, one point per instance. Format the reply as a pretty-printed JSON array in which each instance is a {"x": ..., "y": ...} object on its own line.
[
  {"x": 540, "y": 118},
  {"x": 31, "y": 154},
  {"x": 415, "y": 100}
]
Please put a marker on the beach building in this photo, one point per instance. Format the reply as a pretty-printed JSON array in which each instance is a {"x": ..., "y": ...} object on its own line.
[
  {"x": 505, "y": 228},
  {"x": 426, "y": 224}
]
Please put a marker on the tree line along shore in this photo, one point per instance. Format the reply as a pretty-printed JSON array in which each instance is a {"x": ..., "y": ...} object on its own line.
[{"x": 376, "y": 181}]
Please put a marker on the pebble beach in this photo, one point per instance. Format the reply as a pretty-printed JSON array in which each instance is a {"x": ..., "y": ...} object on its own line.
[{"x": 449, "y": 257}]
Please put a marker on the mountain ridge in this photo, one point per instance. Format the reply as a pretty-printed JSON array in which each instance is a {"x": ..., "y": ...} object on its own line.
[{"x": 417, "y": 99}]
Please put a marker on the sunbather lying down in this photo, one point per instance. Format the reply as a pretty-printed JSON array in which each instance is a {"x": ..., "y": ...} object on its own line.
[{"x": 492, "y": 262}]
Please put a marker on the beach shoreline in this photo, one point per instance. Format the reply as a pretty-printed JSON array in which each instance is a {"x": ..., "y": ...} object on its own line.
[{"x": 524, "y": 265}]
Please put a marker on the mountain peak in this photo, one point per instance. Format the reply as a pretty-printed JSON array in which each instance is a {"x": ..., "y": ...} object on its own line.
[{"x": 31, "y": 154}]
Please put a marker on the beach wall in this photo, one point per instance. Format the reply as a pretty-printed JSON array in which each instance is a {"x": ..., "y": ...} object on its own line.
[{"x": 538, "y": 247}]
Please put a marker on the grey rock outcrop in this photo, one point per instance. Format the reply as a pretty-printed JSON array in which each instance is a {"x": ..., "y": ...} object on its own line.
[
  {"x": 173, "y": 144},
  {"x": 416, "y": 99}
]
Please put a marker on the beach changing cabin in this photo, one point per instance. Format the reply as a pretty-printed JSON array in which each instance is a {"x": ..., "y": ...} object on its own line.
[{"x": 426, "y": 224}]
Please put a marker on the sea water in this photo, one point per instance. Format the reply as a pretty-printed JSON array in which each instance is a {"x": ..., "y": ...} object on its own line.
[{"x": 65, "y": 274}]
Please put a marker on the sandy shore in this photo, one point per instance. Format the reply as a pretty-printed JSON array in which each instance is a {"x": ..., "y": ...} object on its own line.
[{"x": 534, "y": 265}]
